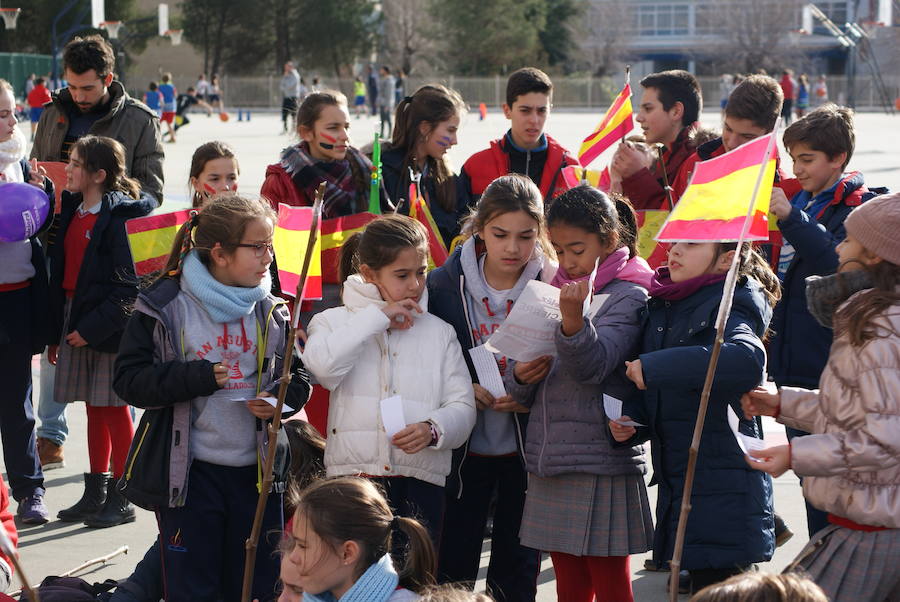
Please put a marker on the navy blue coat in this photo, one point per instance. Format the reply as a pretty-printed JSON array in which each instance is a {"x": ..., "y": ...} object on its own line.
[
  {"x": 396, "y": 184},
  {"x": 731, "y": 522},
  {"x": 800, "y": 345},
  {"x": 106, "y": 286},
  {"x": 447, "y": 300}
]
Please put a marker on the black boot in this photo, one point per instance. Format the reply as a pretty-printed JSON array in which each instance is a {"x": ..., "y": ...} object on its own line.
[
  {"x": 116, "y": 511},
  {"x": 95, "y": 484}
]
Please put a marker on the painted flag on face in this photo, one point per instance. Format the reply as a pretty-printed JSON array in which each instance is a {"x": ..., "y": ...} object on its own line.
[
  {"x": 290, "y": 241},
  {"x": 615, "y": 124},
  {"x": 151, "y": 238},
  {"x": 715, "y": 203}
]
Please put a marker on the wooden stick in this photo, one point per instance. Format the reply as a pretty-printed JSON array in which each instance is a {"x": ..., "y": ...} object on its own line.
[
  {"x": 100, "y": 560},
  {"x": 275, "y": 425},
  {"x": 26, "y": 585},
  {"x": 721, "y": 320},
  {"x": 627, "y": 81},
  {"x": 662, "y": 167}
]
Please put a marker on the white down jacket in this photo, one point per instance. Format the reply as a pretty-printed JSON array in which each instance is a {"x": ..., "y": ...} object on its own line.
[{"x": 351, "y": 353}]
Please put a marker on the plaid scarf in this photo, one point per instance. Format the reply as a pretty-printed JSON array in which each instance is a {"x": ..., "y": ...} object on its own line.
[{"x": 343, "y": 196}]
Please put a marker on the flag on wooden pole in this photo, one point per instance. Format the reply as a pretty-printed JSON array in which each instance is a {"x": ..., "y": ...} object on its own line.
[
  {"x": 418, "y": 210},
  {"x": 291, "y": 237},
  {"x": 714, "y": 205},
  {"x": 151, "y": 238},
  {"x": 615, "y": 124},
  {"x": 333, "y": 234}
]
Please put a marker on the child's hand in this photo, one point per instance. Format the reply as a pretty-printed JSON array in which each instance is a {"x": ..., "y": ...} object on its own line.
[
  {"x": 400, "y": 314},
  {"x": 508, "y": 404},
  {"x": 529, "y": 373},
  {"x": 761, "y": 402},
  {"x": 775, "y": 460},
  {"x": 620, "y": 432},
  {"x": 571, "y": 306},
  {"x": 635, "y": 372},
  {"x": 52, "y": 354},
  {"x": 37, "y": 175},
  {"x": 627, "y": 160},
  {"x": 779, "y": 204},
  {"x": 261, "y": 409},
  {"x": 414, "y": 438},
  {"x": 75, "y": 340},
  {"x": 221, "y": 373},
  {"x": 483, "y": 397}
]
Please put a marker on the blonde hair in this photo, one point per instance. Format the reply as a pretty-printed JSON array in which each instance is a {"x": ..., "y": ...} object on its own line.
[{"x": 763, "y": 587}]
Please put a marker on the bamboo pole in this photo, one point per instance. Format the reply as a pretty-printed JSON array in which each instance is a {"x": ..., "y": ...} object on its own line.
[
  {"x": 275, "y": 425},
  {"x": 721, "y": 321}
]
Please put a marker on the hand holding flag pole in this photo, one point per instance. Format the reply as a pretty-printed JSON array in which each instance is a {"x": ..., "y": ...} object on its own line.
[
  {"x": 275, "y": 424},
  {"x": 721, "y": 321}
]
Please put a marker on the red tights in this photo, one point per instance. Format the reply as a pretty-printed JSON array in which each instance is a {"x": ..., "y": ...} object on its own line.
[
  {"x": 580, "y": 578},
  {"x": 110, "y": 430}
]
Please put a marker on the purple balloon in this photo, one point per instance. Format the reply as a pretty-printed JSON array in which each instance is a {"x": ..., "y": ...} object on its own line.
[{"x": 23, "y": 209}]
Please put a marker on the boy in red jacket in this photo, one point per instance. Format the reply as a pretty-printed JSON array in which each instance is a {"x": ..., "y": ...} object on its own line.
[
  {"x": 37, "y": 98},
  {"x": 525, "y": 148}
]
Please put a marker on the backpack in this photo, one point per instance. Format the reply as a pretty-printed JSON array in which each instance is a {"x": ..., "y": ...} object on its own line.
[{"x": 70, "y": 589}]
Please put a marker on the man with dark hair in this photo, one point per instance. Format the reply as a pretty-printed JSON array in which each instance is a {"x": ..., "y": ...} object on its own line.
[
  {"x": 525, "y": 149},
  {"x": 752, "y": 111},
  {"x": 93, "y": 103},
  {"x": 669, "y": 109}
]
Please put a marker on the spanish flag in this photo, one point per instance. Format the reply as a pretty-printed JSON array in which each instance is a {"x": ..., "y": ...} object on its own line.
[
  {"x": 574, "y": 175},
  {"x": 714, "y": 205},
  {"x": 616, "y": 123},
  {"x": 151, "y": 238},
  {"x": 437, "y": 252},
  {"x": 649, "y": 223},
  {"x": 290, "y": 241},
  {"x": 334, "y": 233}
]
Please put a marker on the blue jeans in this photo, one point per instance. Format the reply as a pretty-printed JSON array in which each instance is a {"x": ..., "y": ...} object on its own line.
[{"x": 51, "y": 414}]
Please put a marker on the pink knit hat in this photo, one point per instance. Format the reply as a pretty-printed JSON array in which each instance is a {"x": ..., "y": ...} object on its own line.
[{"x": 876, "y": 225}]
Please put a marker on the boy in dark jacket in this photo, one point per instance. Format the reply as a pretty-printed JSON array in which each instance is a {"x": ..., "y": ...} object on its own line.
[
  {"x": 525, "y": 148},
  {"x": 812, "y": 224},
  {"x": 670, "y": 107}
]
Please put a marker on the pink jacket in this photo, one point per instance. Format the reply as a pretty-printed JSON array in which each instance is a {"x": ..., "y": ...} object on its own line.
[{"x": 851, "y": 463}]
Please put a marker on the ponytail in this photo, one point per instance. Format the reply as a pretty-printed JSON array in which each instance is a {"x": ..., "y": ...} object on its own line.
[
  {"x": 418, "y": 572},
  {"x": 348, "y": 263},
  {"x": 181, "y": 246},
  {"x": 627, "y": 228}
]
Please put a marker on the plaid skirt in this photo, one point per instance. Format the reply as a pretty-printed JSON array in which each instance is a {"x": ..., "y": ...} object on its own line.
[
  {"x": 853, "y": 565},
  {"x": 587, "y": 515},
  {"x": 84, "y": 374}
]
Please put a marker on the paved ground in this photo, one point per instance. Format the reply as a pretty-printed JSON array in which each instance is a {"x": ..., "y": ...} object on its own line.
[{"x": 56, "y": 547}]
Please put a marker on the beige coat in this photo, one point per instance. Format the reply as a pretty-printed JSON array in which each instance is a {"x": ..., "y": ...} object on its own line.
[{"x": 851, "y": 464}]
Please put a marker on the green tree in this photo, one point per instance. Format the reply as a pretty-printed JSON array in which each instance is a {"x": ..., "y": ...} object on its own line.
[
  {"x": 556, "y": 36},
  {"x": 336, "y": 34},
  {"x": 484, "y": 38}
]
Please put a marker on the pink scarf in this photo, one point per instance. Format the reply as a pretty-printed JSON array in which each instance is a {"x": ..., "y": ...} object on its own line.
[
  {"x": 617, "y": 265},
  {"x": 664, "y": 288}
]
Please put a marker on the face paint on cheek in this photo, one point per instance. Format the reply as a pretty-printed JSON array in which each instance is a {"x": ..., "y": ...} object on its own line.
[
  {"x": 209, "y": 189},
  {"x": 330, "y": 139},
  {"x": 443, "y": 141}
]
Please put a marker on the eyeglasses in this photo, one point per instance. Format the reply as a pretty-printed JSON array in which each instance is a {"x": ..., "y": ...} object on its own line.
[{"x": 259, "y": 248}]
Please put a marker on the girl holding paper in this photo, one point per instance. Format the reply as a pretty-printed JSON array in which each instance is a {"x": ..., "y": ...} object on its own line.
[
  {"x": 731, "y": 524},
  {"x": 202, "y": 353},
  {"x": 475, "y": 290},
  {"x": 386, "y": 360},
  {"x": 587, "y": 503}
]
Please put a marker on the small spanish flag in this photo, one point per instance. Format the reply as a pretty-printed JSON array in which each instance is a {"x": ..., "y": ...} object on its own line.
[
  {"x": 714, "y": 205},
  {"x": 151, "y": 238},
  {"x": 615, "y": 124},
  {"x": 334, "y": 233},
  {"x": 437, "y": 252},
  {"x": 649, "y": 223},
  {"x": 290, "y": 240},
  {"x": 575, "y": 175}
]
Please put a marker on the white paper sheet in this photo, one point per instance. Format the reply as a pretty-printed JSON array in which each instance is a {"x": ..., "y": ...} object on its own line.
[
  {"x": 745, "y": 442},
  {"x": 529, "y": 331},
  {"x": 269, "y": 400},
  {"x": 613, "y": 409},
  {"x": 392, "y": 415},
  {"x": 487, "y": 370}
]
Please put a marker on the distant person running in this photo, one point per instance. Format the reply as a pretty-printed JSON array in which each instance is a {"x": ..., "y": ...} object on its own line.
[
  {"x": 184, "y": 102},
  {"x": 153, "y": 98},
  {"x": 169, "y": 104}
]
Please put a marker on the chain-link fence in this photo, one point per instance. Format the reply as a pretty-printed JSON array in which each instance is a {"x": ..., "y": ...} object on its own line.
[{"x": 262, "y": 92}]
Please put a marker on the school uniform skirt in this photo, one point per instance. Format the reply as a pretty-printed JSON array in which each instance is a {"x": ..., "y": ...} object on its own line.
[
  {"x": 84, "y": 374},
  {"x": 853, "y": 565},
  {"x": 587, "y": 515}
]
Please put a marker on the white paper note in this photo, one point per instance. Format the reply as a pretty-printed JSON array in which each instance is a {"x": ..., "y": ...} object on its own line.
[
  {"x": 269, "y": 400},
  {"x": 487, "y": 370},
  {"x": 745, "y": 442},
  {"x": 613, "y": 409},
  {"x": 392, "y": 415}
]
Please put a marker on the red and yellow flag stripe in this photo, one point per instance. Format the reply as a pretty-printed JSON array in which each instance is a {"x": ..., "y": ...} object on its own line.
[
  {"x": 290, "y": 240},
  {"x": 151, "y": 238},
  {"x": 334, "y": 234},
  {"x": 615, "y": 124}
]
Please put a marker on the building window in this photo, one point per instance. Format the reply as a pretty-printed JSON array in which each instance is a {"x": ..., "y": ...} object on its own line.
[{"x": 662, "y": 19}]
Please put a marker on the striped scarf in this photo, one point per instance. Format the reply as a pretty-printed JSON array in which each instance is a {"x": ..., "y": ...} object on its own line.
[{"x": 343, "y": 195}]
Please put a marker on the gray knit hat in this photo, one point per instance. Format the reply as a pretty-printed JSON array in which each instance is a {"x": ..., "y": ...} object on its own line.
[{"x": 876, "y": 225}]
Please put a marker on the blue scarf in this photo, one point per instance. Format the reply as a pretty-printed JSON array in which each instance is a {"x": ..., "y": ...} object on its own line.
[
  {"x": 377, "y": 584},
  {"x": 223, "y": 303}
]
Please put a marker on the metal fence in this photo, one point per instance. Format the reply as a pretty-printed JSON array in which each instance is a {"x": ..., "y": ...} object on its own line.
[{"x": 261, "y": 92}]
